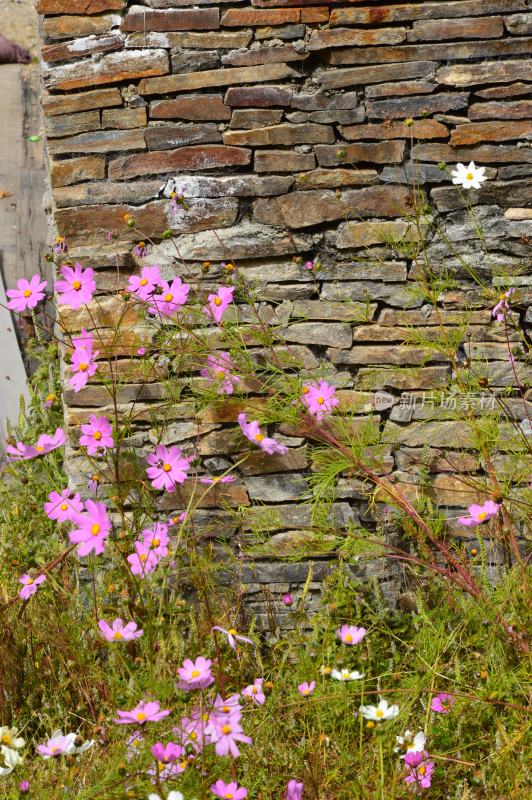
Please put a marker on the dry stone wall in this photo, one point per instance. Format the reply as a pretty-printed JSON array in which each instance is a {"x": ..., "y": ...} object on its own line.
[{"x": 285, "y": 121}]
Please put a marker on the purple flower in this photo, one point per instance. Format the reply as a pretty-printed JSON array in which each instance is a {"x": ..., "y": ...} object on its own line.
[
  {"x": 255, "y": 692},
  {"x": 27, "y": 295},
  {"x": 195, "y": 674},
  {"x": 442, "y": 703},
  {"x": 350, "y": 634},
  {"x": 232, "y": 636},
  {"x": 479, "y": 514},
  {"x": 420, "y": 769},
  {"x": 252, "y": 432},
  {"x": 29, "y": 585},
  {"x": 502, "y": 307},
  {"x": 288, "y": 600},
  {"x": 217, "y": 303},
  {"x": 63, "y": 506},
  {"x": 294, "y": 790},
  {"x": 119, "y": 631},
  {"x": 144, "y": 712},
  {"x": 306, "y": 688},
  {"x": 44, "y": 444},
  {"x": 229, "y": 791}
]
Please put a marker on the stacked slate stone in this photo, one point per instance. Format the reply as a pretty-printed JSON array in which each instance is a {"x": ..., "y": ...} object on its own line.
[{"x": 284, "y": 119}]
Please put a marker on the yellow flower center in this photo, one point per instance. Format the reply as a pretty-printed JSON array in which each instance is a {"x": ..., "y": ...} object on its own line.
[
  {"x": 226, "y": 729},
  {"x": 482, "y": 516},
  {"x": 259, "y": 437},
  {"x": 306, "y": 390},
  {"x": 143, "y": 557},
  {"x": 195, "y": 673},
  {"x": 59, "y": 239},
  {"x": 118, "y": 635},
  {"x": 83, "y": 367},
  {"x": 97, "y": 435},
  {"x": 220, "y": 373},
  {"x": 29, "y": 581},
  {"x": 226, "y": 709},
  {"x": 50, "y": 397},
  {"x": 167, "y": 467},
  {"x": 6, "y": 739},
  {"x": 422, "y": 769},
  {"x": 76, "y": 285},
  {"x": 141, "y": 716},
  {"x": 217, "y": 301},
  {"x": 27, "y": 293},
  {"x": 144, "y": 282},
  {"x": 95, "y": 529},
  {"x": 379, "y": 713},
  {"x": 39, "y": 447},
  {"x": 184, "y": 764},
  {"x": 306, "y": 691},
  {"x": 168, "y": 297},
  {"x": 348, "y": 637},
  {"x": 320, "y": 401},
  {"x": 470, "y": 176},
  {"x": 228, "y": 796},
  {"x": 502, "y": 297},
  {"x": 155, "y": 542},
  {"x": 193, "y": 736},
  {"x": 254, "y": 690},
  {"x": 63, "y": 506},
  {"x": 370, "y": 724},
  {"x": 54, "y": 749},
  {"x": 232, "y": 631}
]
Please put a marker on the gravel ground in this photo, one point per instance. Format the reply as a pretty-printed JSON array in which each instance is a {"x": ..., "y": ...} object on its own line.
[{"x": 19, "y": 23}]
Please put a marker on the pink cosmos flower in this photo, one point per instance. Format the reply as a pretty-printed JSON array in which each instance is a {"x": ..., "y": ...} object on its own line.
[
  {"x": 93, "y": 529},
  {"x": 166, "y": 753},
  {"x": 217, "y": 303},
  {"x": 255, "y": 692},
  {"x": 319, "y": 398},
  {"x": 306, "y": 688},
  {"x": 350, "y": 634},
  {"x": 143, "y": 560},
  {"x": 219, "y": 371},
  {"x": 218, "y": 479},
  {"x": 77, "y": 287},
  {"x": 195, "y": 674},
  {"x": 83, "y": 359},
  {"x": 288, "y": 600},
  {"x": 172, "y": 297},
  {"x": 144, "y": 712},
  {"x": 60, "y": 246},
  {"x": 294, "y": 790},
  {"x": 144, "y": 285},
  {"x": 97, "y": 435},
  {"x": 44, "y": 444},
  {"x": 29, "y": 585},
  {"x": 27, "y": 295},
  {"x": 479, "y": 514},
  {"x": 141, "y": 351},
  {"x": 58, "y": 745},
  {"x": 156, "y": 539},
  {"x": 191, "y": 732},
  {"x": 224, "y": 734},
  {"x": 309, "y": 265},
  {"x": 229, "y": 791},
  {"x": 232, "y": 636},
  {"x": 442, "y": 703},
  {"x": 134, "y": 743},
  {"x": 24, "y": 786},
  {"x": 63, "y": 507},
  {"x": 502, "y": 306},
  {"x": 229, "y": 707},
  {"x": 167, "y": 467},
  {"x": 140, "y": 250},
  {"x": 118, "y": 631},
  {"x": 252, "y": 432},
  {"x": 420, "y": 769}
]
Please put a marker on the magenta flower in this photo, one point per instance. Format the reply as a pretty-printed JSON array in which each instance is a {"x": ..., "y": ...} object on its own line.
[
  {"x": 319, "y": 398},
  {"x": 144, "y": 712},
  {"x": 217, "y": 303},
  {"x": 288, "y": 600},
  {"x": 60, "y": 246},
  {"x": 224, "y": 734},
  {"x": 479, "y": 514},
  {"x": 93, "y": 529},
  {"x": 24, "y": 786},
  {"x": 294, "y": 790},
  {"x": 63, "y": 507},
  {"x": 77, "y": 287},
  {"x": 306, "y": 688},
  {"x": 218, "y": 479},
  {"x": 219, "y": 371},
  {"x": 29, "y": 585},
  {"x": 143, "y": 560},
  {"x": 144, "y": 285},
  {"x": 172, "y": 297},
  {"x": 420, "y": 769},
  {"x": 195, "y": 674},
  {"x": 252, "y": 432},
  {"x": 44, "y": 444},
  {"x": 156, "y": 539},
  {"x": 97, "y": 435},
  {"x": 229, "y": 791},
  {"x": 167, "y": 467},
  {"x": 442, "y": 703},
  {"x": 232, "y": 636},
  {"x": 502, "y": 306},
  {"x": 140, "y": 250},
  {"x": 118, "y": 631},
  {"x": 309, "y": 265},
  {"x": 166, "y": 753},
  {"x": 27, "y": 295},
  {"x": 255, "y": 692},
  {"x": 350, "y": 634},
  {"x": 83, "y": 358}
]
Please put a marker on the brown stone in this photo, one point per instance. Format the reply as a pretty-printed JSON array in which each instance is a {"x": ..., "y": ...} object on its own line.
[
  {"x": 99, "y": 192},
  {"x": 260, "y": 463},
  {"x": 72, "y": 27},
  {"x": 491, "y": 132},
  {"x": 416, "y": 106},
  {"x": 437, "y": 29},
  {"x": 69, "y": 124},
  {"x": 215, "y": 77},
  {"x": 185, "y": 158},
  {"x": 140, "y": 18},
  {"x": 488, "y": 72},
  {"x": 403, "y": 379},
  {"x": 498, "y": 92},
  {"x": 381, "y": 153},
  {"x": 360, "y": 76},
  {"x": 323, "y": 102},
  {"x": 421, "y": 129},
  {"x": 230, "y": 494},
  {"x": 171, "y": 39},
  {"x": 346, "y": 37},
  {"x": 326, "y": 334},
  {"x": 172, "y": 137},
  {"x": 519, "y": 24},
  {"x": 493, "y": 192},
  {"x": 287, "y": 33},
  {"x": 264, "y": 55},
  {"x": 81, "y": 47},
  {"x": 281, "y": 134},
  {"x": 121, "y": 66},
  {"x": 452, "y": 51},
  {"x": 191, "y": 107},
  {"x": 99, "y": 142},
  {"x": 71, "y": 103},
  {"x": 78, "y": 6},
  {"x": 365, "y": 234},
  {"x": 485, "y": 154},
  {"x": 383, "y": 354},
  {"x": 335, "y": 178},
  {"x": 260, "y": 96},
  {"x": 240, "y": 17},
  {"x": 520, "y": 109},
  {"x": 282, "y": 161},
  {"x": 304, "y": 209},
  {"x": 400, "y": 89},
  {"x": 255, "y": 117},
  {"x": 63, "y": 173},
  {"x": 345, "y": 312},
  {"x": 405, "y": 12},
  {"x": 124, "y": 118}
]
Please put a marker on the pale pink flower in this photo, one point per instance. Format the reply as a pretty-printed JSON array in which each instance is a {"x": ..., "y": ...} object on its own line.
[
  {"x": 60, "y": 246},
  {"x": 27, "y": 295},
  {"x": 420, "y": 769},
  {"x": 502, "y": 306},
  {"x": 442, "y": 703},
  {"x": 191, "y": 732},
  {"x": 218, "y": 479},
  {"x": 63, "y": 506},
  {"x": 309, "y": 265},
  {"x": 29, "y": 585},
  {"x": 252, "y": 432},
  {"x": 44, "y": 444},
  {"x": 119, "y": 631},
  {"x": 228, "y": 707},
  {"x": 350, "y": 634},
  {"x": 97, "y": 435},
  {"x": 166, "y": 753},
  {"x": 306, "y": 688},
  {"x": 94, "y": 527},
  {"x": 255, "y": 692},
  {"x": 232, "y": 636},
  {"x": 479, "y": 514},
  {"x": 288, "y": 600},
  {"x": 58, "y": 745},
  {"x": 83, "y": 359},
  {"x": 319, "y": 398},
  {"x": 144, "y": 285},
  {"x": 156, "y": 539},
  {"x": 219, "y": 371},
  {"x": 195, "y": 674},
  {"x": 217, "y": 303},
  {"x": 141, "y": 351},
  {"x": 140, "y": 250},
  {"x": 167, "y": 467},
  {"x": 144, "y": 712},
  {"x": 294, "y": 790},
  {"x": 229, "y": 791},
  {"x": 77, "y": 287},
  {"x": 224, "y": 734},
  {"x": 171, "y": 298},
  {"x": 143, "y": 560}
]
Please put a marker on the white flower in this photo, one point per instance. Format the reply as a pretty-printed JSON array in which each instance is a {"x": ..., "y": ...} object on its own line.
[
  {"x": 410, "y": 743},
  {"x": 346, "y": 675},
  {"x": 171, "y": 796},
  {"x": 469, "y": 177},
  {"x": 8, "y": 760},
  {"x": 379, "y": 713},
  {"x": 9, "y": 738}
]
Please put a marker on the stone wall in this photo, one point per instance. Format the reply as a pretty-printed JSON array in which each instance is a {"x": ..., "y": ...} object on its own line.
[{"x": 285, "y": 121}]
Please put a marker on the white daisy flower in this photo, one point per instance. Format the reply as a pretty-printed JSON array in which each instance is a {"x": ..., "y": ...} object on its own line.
[
  {"x": 346, "y": 675},
  {"x": 379, "y": 713},
  {"x": 9, "y": 738},
  {"x": 410, "y": 743},
  {"x": 469, "y": 177},
  {"x": 9, "y": 759}
]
